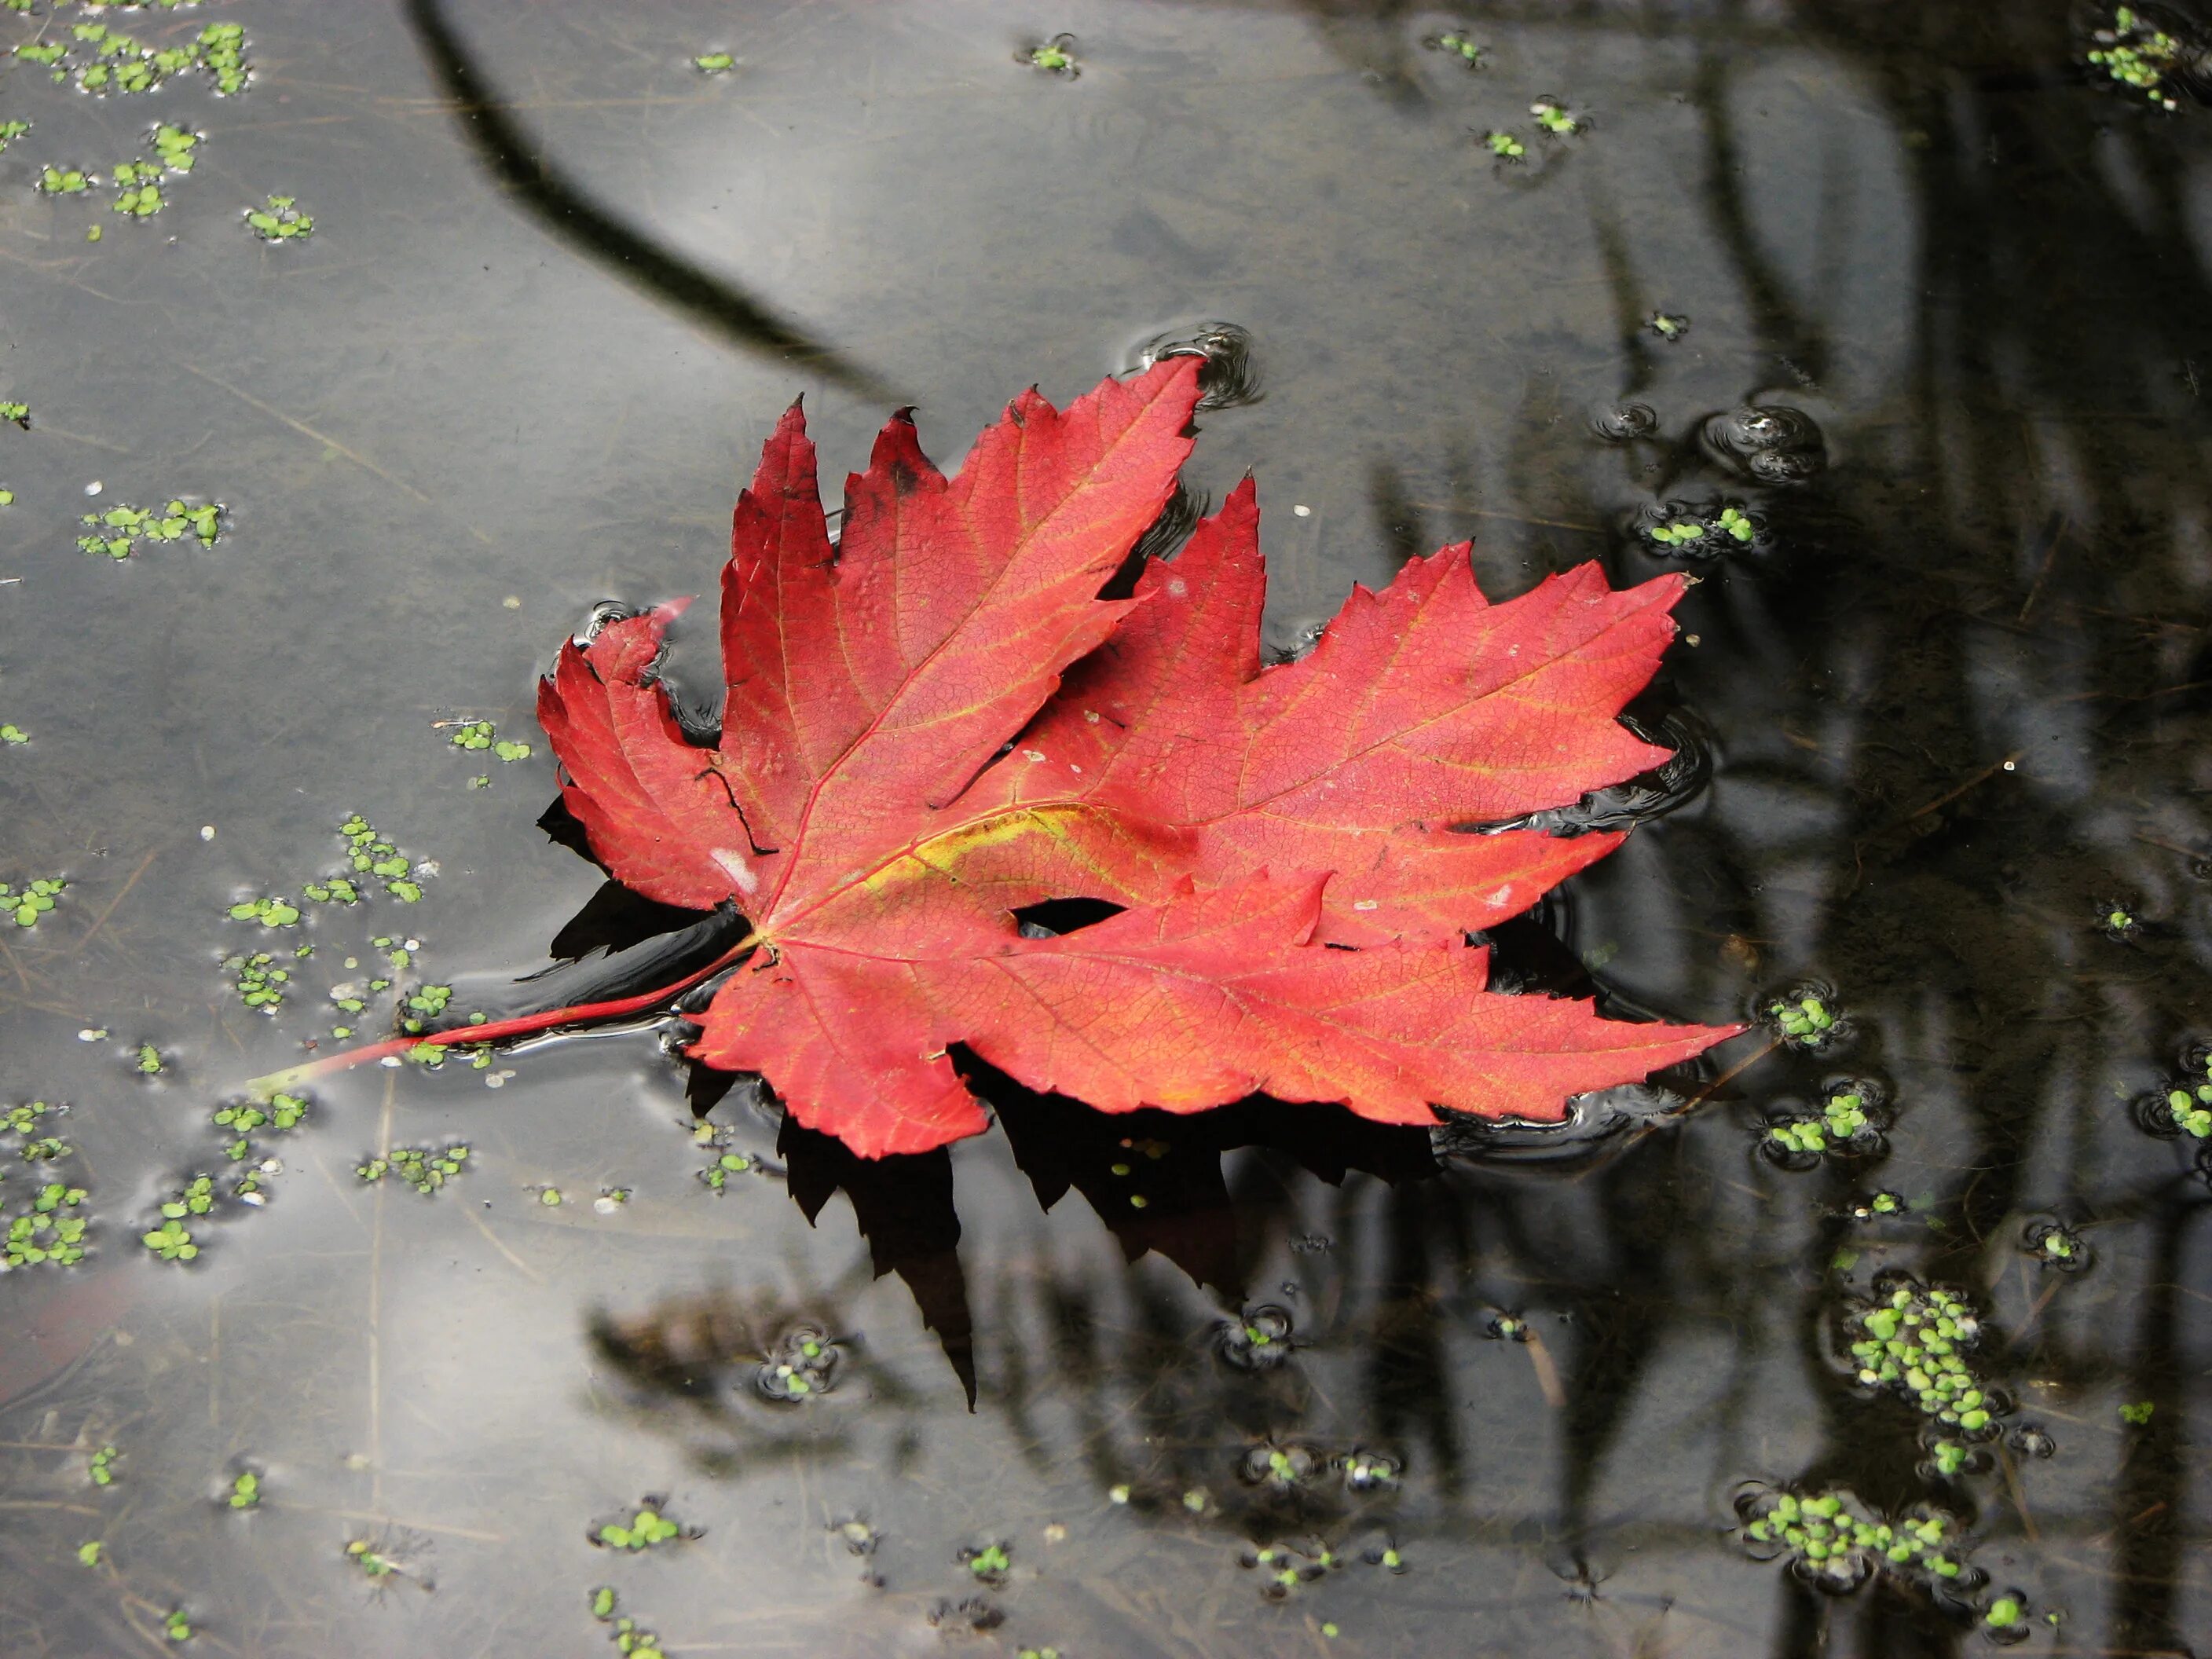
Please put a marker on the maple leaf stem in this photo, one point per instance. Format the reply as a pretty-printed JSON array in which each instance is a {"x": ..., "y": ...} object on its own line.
[{"x": 496, "y": 1031}]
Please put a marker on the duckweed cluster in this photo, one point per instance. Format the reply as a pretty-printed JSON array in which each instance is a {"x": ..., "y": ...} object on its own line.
[
  {"x": 99, "y": 1469},
  {"x": 1676, "y": 528},
  {"x": 242, "y": 1119},
  {"x": 1669, "y": 327},
  {"x": 18, "y": 413},
  {"x": 647, "y": 1528},
  {"x": 10, "y": 131},
  {"x": 714, "y": 62},
  {"x": 475, "y": 735},
  {"x": 245, "y": 1491},
  {"x": 1835, "y": 1542},
  {"x": 279, "y": 219},
  {"x": 50, "y": 1230},
  {"x": 273, "y": 911},
  {"x": 804, "y": 1363},
  {"x": 425, "y": 1168},
  {"x": 118, "y": 532},
  {"x": 1286, "y": 1568},
  {"x": 2189, "y": 1105},
  {"x": 1458, "y": 44},
  {"x": 1804, "y": 1019},
  {"x": 176, "y": 1627},
  {"x": 1054, "y": 56},
  {"x": 33, "y": 900},
  {"x": 988, "y": 1564},
  {"x": 1847, "y": 1123},
  {"x": 1257, "y": 1339},
  {"x": 629, "y": 1637},
  {"x": 1501, "y": 143},
  {"x": 1281, "y": 1468},
  {"x": 2056, "y": 1245},
  {"x": 2135, "y": 54},
  {"x": 1552, "y": 115},
  {"x": 374, "y": 856},
  {"x": 1912, "y": 1341},
  {"x": 260, "y": 978},
  {"x": 105, "y": 60},
  {"x": 171, "y": 1241}
]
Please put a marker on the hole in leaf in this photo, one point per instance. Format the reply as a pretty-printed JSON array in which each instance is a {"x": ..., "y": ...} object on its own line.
[{"x": 1053, "y": 917}]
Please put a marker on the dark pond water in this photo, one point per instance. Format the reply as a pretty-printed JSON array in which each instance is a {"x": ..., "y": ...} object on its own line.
[{"x": 1952, "y": 700}]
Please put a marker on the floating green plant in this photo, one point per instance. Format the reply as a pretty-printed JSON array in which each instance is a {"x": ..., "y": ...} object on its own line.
[
  {"x": 804, "y": 1363},
  {"x": 1846, "y": 1123},
  {"x": 714, "y": 62},
  {"x": 245, "y": 1491},
  {"x": 1054, "y": 56},
  {"x": 176, "y": 1626},
  {"x": 171, "y": 1241},
  {"x": 2056, "y": 1245},
  {"x": 2188, "y": 1105},
  {"x": 118, "y": 531},
  {"x": 425, "y": 1168},
  {"x": 139, "y": 189},
  {"x": 2137, "y": 1414},
  {"x": 33, "y": 901},
  {"x": 475, "y": 735},
  {"x": 373, "y": 855},
  {"x": 51, "y": 1231},
  {"x": 1803, "y": 1018},
  {"x": 148, "y": 1061},
  {"x": 647, "y": 1528},
  {"x": 1667, "y": 326},
  {"x": 260, "y": 978},
  {"x": 2135, "y": 54},
  {"x": 279, "y": 221},
  {"x": 242, "y": 1118},
  {"x": 1912, "y": 1340},
  {"x": 1285, "y": 1568},
  {"x": 10, "y": 131},
  {"x": 275, "y": 911},
  {"x": 87, "y": 1554},
  {"x": 427, "y": 1002},
  {"x": 988, "y": 1562},
  {"x": 178, "y": 147},
  {"x": 101, "y": 1466},
  {"x": 1459, "y": 43},
  {"x": 18, "y": 413},
  {"x": 1832, "y": 1540},
  {"x": 64, "y": 181},
  {"x": 1552, "y": 115},
  {"x": 1503, "y": 145},
  {"x": 1877, "y": 1204},
  {"x": 10, "y": 732}
]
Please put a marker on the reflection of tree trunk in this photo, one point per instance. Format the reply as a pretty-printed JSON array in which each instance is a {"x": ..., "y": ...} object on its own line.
[
  {"x": 2154, "y": 1486},
  {"x": 513, "y": 156}
]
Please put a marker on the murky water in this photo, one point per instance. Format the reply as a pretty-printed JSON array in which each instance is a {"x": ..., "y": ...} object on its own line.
[{"x": 1911, "y": 291}]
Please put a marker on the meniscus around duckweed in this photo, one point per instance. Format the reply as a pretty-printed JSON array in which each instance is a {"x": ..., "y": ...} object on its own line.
[
  {"x": 2056, "y": 1245},
  {"x": 1054, "y": 56},
  {"x": 1258, "y": 1338}
]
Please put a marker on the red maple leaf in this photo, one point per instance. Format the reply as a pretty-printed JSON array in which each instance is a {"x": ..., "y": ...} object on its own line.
[{"x": 936, "y": 721}]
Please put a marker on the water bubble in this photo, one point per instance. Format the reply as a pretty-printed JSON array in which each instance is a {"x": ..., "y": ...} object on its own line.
[
  {"x": 1772, "y": 443},
  {"x": 1231, "y": 378},
  {"x": 1620, "y": 423}
]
